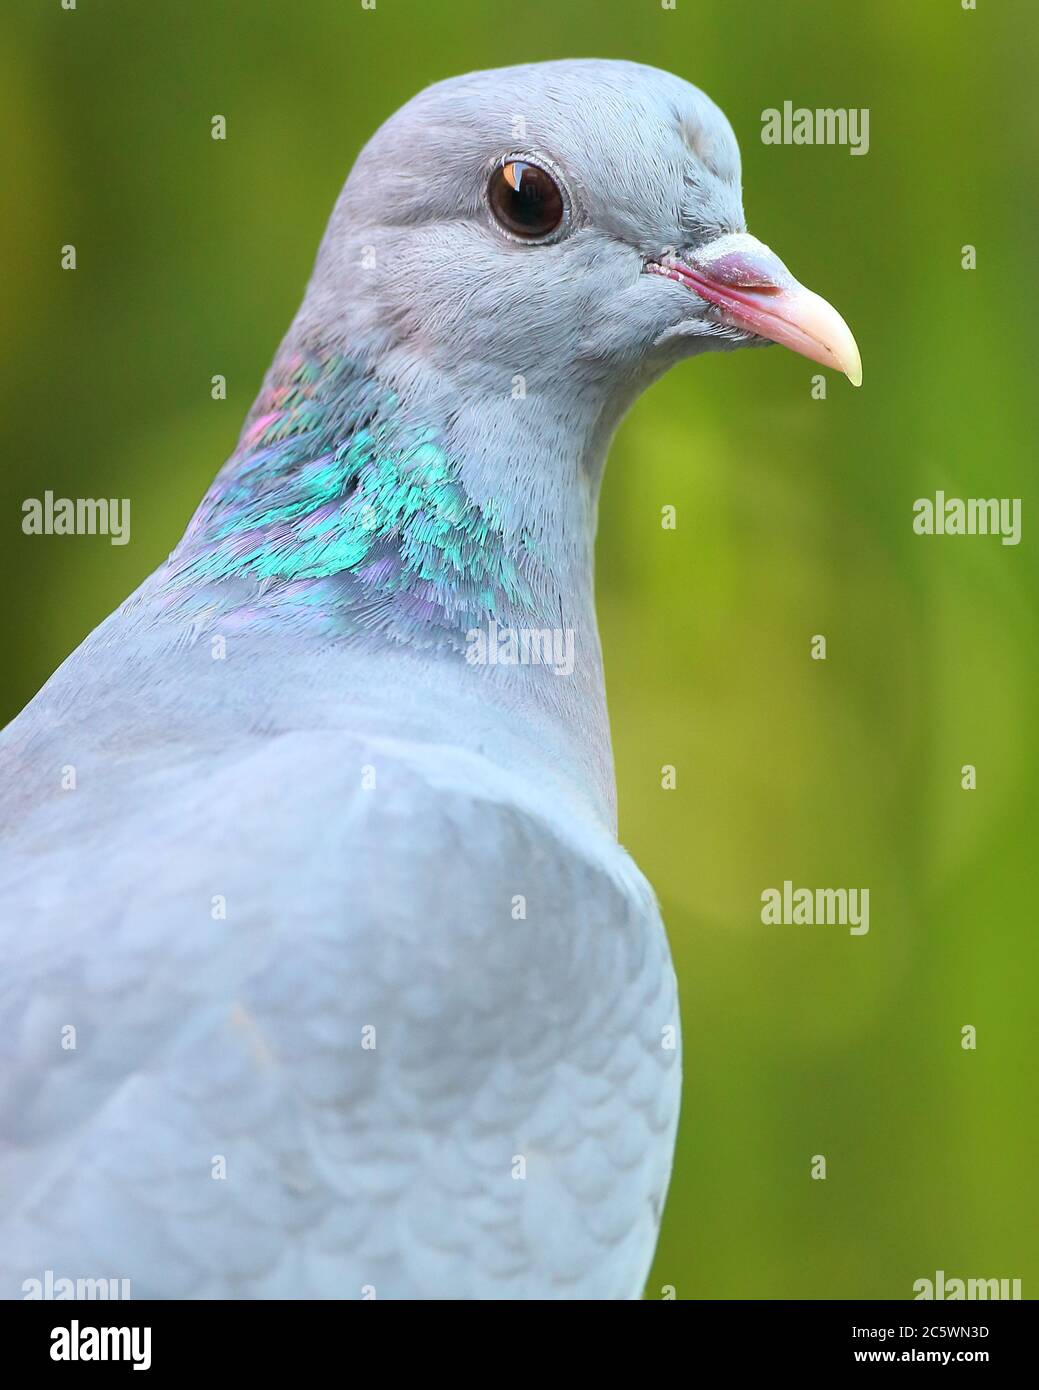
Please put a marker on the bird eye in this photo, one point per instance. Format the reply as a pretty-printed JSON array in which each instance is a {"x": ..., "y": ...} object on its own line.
[{"x": 525, "y": 199}]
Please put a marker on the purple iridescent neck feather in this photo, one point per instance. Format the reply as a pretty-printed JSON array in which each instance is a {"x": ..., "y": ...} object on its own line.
[{"x": 339, "y": 506}]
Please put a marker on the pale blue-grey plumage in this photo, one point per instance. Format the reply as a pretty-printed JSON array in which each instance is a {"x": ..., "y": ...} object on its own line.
[{"x": 366, "y": 997}]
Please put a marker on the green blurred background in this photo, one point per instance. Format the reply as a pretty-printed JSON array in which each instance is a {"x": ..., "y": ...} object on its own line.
[{"x": 794, "y": 518}]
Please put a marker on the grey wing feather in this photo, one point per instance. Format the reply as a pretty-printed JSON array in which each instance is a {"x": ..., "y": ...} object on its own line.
[{"x": 270, "y": 1030}]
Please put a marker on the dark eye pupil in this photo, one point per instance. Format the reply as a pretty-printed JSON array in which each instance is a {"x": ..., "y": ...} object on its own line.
[{"x": 525, "y": 199}]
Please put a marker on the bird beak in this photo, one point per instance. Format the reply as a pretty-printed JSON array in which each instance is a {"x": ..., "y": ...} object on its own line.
[{"x": 755, "y": 292}]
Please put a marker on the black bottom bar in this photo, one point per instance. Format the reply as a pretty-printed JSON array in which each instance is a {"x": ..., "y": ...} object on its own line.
[{"x": 171, "y": 1340}]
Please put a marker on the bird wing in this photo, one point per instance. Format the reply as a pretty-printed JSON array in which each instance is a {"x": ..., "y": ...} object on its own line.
[{"x": 305, "y": 1014}]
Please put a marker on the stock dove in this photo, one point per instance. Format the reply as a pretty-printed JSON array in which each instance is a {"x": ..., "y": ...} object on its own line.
[{"x": 323, "y": 973}]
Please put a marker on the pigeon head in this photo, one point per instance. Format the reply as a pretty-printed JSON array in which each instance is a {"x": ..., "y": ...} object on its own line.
[
  {"x": 571, "y": 222},
  {"x": 516, "y": 254}
]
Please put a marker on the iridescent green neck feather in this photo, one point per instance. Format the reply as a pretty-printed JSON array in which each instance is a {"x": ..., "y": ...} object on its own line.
[{"x": 338, "y": 508}]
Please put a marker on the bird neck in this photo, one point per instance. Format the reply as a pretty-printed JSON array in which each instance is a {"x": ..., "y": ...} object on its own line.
[{"x": 417, "y": 519}]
